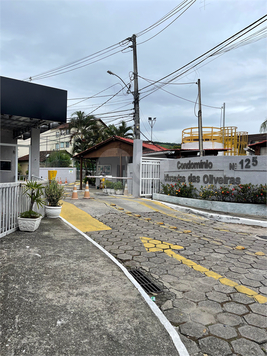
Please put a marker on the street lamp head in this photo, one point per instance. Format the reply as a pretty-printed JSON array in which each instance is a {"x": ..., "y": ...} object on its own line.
[{"x": 109, "y": 72}]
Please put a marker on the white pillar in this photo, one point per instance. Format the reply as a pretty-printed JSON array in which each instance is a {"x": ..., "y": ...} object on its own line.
[
  {"x": 35, "y": 153},
  {"x": 137, "y": 158}
]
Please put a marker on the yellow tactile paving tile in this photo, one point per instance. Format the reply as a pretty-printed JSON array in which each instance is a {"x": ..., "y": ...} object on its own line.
[{"x": 80, "y": 219}]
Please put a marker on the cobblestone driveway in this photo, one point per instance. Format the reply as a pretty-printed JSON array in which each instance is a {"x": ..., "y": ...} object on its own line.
[{"x": 213, "y": 275}]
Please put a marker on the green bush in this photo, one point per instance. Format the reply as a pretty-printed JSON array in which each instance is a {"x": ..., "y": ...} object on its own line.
[
  {"x": 109, "y": 184},
  {"x": 242, "y": 193},
  {"x": 118, "y": 185},
  {"x": 179, "y": 190}
]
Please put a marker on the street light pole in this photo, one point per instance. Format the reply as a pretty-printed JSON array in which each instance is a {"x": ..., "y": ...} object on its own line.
[
  {"x": 151, "y": 123},
  {"x": 128, "y": 86}
]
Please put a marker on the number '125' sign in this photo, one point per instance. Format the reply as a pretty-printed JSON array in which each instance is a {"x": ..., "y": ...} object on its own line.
[{"x": 247, "y": 163}]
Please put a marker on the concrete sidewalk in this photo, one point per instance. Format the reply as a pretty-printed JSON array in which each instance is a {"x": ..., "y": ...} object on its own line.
[{"x": 61, "y": 295}]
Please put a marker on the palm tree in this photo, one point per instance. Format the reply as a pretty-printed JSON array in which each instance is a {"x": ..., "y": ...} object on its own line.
[
  {"x": 86, "y": 131},
  {"x": 122, "y": 130},
  {"x": 263, "y": 127}
]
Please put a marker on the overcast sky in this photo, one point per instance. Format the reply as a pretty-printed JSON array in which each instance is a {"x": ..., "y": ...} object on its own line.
[{"x": 38, "y": 36}]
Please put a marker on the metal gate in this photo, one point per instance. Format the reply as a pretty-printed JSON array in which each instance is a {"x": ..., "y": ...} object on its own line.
[{"x": 150, "y": 177}]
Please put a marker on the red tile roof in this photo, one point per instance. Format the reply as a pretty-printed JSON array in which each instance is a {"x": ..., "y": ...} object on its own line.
[{"x": 146, "y": 145}]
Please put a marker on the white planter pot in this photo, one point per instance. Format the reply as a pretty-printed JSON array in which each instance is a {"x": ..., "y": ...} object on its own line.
[
  {"x": 119, "y": 192},
  {"x": 52, "y": 211},
  {"x": 111, "y": 191},
  {"x": 27, "y": 224}
]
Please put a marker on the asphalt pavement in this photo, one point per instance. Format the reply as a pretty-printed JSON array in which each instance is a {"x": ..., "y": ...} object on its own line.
[{"x": 63, "y": 295}]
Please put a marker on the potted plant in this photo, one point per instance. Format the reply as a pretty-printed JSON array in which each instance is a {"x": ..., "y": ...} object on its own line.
[
  {"x": 30, "y": 220},
  {"x": 118, "y": 188},
  {"x": 110, "y": 187},
  {"x": 54, "y": 192}
]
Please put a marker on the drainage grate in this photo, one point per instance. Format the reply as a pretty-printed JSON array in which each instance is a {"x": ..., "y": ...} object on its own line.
[
  {"x": 148, "y": 286},
  {"x": 263, "y": 237}
]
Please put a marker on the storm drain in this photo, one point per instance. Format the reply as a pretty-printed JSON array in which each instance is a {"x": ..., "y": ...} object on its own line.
[
  {"x": 263, "y": 237},
  {"x": 148, "y": 286}
]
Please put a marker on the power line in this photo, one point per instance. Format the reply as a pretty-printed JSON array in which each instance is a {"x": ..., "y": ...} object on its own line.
[
  {"x": 188, "y": 6},
  {"x": 77, "y": 64},
  {"x": 114, "y": 49},
  {"x": 93, "y": 96},
  {"x": 180, "y": 97},
  {"x": 214, "y": 51}
]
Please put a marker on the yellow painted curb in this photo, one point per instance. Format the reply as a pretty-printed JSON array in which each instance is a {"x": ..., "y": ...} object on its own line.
[{"x": 80, "y": 219}]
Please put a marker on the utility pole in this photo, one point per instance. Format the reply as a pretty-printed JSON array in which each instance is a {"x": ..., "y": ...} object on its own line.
[
  {"x": 136, "y": 92},
  {"x": 200, "y": 136},
  {"x": 223, "y": 123}
]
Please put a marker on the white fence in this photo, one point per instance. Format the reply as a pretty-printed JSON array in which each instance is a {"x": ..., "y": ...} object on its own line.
[
  {"x": 12, "y": 203},
  {"x": 150, "y": 177}
]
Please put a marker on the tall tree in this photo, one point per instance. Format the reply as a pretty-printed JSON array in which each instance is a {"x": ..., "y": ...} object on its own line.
[
  {"x": 123, "y": 130},
  {"x": 85, "y": 131},
  {"x": 263, "y": 127}
]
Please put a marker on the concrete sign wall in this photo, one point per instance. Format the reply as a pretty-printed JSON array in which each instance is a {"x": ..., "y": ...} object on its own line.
[{"x": 215, "y": 170}]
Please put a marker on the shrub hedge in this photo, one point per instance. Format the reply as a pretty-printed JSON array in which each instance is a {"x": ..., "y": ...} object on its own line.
[{"x": 242, "y": 193}]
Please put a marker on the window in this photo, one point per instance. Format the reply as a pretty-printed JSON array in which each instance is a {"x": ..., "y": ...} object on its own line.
[
  {"x": 61, "y": 144},
  {"x": 57, "y": 134},
  {"x": 57, "y": 146},
  {"x": 5, "y": 165},
  {"x": 67, "y": 144}
]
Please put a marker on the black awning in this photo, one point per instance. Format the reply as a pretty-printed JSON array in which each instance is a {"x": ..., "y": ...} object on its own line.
[{"x": 27, "y": 105}]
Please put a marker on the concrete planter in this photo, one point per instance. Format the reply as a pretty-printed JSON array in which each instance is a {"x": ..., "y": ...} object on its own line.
[
  {"x": 119, "y": 192},
  {"x": 27, "y": 224},
  {"x": 257, "y": 210},
  {"x": 53, "y": 212}
]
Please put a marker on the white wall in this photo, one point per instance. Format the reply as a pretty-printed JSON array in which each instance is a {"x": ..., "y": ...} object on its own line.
[{"x": 64, "y": 173}]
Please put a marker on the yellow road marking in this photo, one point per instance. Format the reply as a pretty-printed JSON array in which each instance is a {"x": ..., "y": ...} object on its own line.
[
  {"x": 163, "y": 212},
  {"x": 152, "y": 245},
  {"x": 161, "y": 224},
  {"x": 260, "y": 253},
  {"x": 80, "y": 219},
  {"x": 240, "y": 248}
]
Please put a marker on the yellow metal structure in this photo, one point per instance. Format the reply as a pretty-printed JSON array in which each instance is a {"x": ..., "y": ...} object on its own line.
[
  {"x": 231, "y": 139},
  {"x": 208, "y": 133}
]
